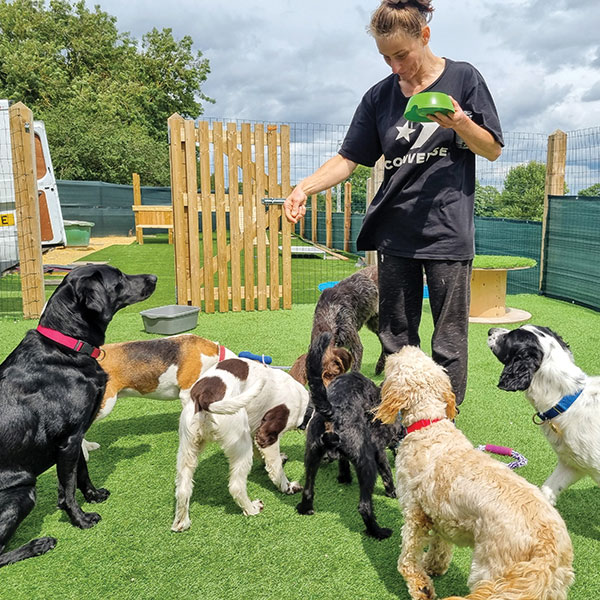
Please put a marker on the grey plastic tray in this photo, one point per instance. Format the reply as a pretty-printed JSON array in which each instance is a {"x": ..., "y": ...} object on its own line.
[{"x": 170, "y": 319}]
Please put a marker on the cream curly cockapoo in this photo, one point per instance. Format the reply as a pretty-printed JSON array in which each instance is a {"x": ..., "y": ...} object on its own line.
[{"x": 452, "y": 494}]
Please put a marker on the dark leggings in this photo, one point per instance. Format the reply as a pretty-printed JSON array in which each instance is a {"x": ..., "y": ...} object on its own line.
[{"x": 401, "y": 302}]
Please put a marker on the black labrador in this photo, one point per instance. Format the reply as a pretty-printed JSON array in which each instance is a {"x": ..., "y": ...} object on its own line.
[{"x": 50, "y": 389}]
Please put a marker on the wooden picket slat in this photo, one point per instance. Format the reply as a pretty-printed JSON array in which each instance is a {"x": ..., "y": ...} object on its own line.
[
  {"x": 206, "y": 207},
  {"x": 178, "y": 189},
  {"x": 286, "y": 228},
  {"x": 261, "y": 225},
  {"x": 234, "y": 158},
  {"x": 248, "y": 173},
  {"x": 221, "y": 215},
  {"x": 192, "y": 246},
  {"x": 274, "y": 214}
]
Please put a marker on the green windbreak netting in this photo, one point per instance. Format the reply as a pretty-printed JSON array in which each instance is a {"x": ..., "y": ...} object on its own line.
[
  {"x": 572, "y": 254},
  {"x": 514, "y": 238},
  {"x": 107, "y": 205}
]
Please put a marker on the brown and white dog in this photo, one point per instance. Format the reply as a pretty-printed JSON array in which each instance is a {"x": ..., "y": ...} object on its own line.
[
  {"x": 162, "y": 368},
  {"x": 238, "y": 403},
  {"x": 451, "y": 493}
]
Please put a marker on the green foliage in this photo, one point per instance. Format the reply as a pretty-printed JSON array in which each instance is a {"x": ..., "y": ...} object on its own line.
[
  {"x": 358, "y": 179},
  {"x": 593, "y": 190},
  {"x": 104, "y": 100},
  {"x": 487, "y": 200},
  {"x": 523, "y": 193},
  {"x": 522, "y": 196}
]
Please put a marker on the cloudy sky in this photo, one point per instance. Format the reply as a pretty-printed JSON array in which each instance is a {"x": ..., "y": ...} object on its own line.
[{"x": 312, "y": 60}]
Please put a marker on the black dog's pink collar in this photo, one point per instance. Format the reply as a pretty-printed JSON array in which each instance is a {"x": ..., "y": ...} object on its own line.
[{"x": 69, "y": 342}]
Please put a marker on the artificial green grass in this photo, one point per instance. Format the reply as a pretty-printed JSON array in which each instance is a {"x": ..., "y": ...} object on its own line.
[
  {"x": 132, "y": 553},
  {"x": 490, "y": 261}
]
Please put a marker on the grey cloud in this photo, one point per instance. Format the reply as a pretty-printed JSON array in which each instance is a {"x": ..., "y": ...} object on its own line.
[{"x": 592, "y": 94}]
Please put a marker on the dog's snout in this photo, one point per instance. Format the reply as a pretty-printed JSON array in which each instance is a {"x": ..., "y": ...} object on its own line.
[{"x": 494, "y": 334}]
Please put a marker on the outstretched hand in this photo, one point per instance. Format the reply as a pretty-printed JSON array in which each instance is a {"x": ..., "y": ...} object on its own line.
[{"x": 295, "y": 205}]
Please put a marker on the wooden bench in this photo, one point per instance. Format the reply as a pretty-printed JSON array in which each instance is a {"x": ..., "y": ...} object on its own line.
[{"x": 149, "y": 217}]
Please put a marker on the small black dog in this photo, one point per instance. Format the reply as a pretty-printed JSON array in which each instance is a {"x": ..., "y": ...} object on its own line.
[
  {"x": 50, "y": 389},
  {"x": 343, "y": 423}
]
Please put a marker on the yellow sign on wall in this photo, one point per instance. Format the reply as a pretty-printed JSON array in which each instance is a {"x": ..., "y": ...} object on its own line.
[{"x": 7, "y": 219}]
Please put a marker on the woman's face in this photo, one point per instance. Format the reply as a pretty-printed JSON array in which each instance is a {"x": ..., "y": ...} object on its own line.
[{"x": 404, "y": 53}]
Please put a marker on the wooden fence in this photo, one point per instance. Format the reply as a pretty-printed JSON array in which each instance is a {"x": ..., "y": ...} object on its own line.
[{"x": 247, "y": 166}]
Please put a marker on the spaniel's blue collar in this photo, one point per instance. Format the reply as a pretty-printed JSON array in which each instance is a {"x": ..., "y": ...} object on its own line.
[{"x": 564, "y": 404}]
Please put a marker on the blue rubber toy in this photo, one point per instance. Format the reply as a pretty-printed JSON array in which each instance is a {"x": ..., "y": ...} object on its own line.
[{"x": 263, "y": 358}]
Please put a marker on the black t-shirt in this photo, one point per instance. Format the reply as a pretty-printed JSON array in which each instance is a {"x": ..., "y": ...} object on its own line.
[{"x": 424, "y": 207}]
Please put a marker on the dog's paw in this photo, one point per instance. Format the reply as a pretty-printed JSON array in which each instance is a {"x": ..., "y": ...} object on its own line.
[
  {"x": 40, "y": 546},
  {"x": 550, "y": 494},
  {"x": 293, "y": 487},
  {"x": 87, "y": 520},
  {"x": 305, "y": 509},
  {"x": 181, "y": 525},
  {"x": 391, "y": 493},
  {"x": 381, "y": 533},
  {"x": 255, "y": 507},
  {"x": 96, "y": 495}
]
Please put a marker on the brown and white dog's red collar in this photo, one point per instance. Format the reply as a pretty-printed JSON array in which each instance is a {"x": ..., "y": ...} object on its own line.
[
  {"x": 420, "y": 425},
  {"x": 222, "y": 351},
  {"x": 69, "y": 342}
]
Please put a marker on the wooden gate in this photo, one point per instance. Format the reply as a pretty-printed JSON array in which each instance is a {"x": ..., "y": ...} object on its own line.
[{"x": 241, "y": 172}]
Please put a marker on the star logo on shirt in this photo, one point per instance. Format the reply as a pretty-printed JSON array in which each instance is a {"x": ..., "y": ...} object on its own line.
[{"x": 404, "y": 131}]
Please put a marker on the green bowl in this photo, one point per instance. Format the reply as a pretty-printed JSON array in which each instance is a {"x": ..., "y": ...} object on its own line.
[{"x": 426, "y": 103}]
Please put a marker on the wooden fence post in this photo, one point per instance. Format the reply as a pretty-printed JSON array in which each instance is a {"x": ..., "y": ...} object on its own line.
[
  {"x": 328, "y": 219},
  {"x": 373, "y": 184},
  {"x": 27, "y": 210},
  {"x": 556, "y": 160},
  {"x": 137, "y": 201},
  {"x": 313, "y": 217},
  {"x": 347, "y": 214}
]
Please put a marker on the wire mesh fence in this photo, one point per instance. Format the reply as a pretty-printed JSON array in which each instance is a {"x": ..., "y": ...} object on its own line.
[{"x": 311, "y": 144}]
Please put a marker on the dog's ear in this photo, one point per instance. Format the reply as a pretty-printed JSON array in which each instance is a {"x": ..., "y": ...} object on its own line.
[
  {"x": 344, "y": 359},
  {"x": 392, "y": 402},
  {"x": 91, "y": 293},
  {"x": 450, "y": 399},
  {"x": 520, "y": 369}
]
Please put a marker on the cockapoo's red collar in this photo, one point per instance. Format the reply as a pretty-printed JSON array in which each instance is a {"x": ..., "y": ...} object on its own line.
[{"x": 420, "y": 425}]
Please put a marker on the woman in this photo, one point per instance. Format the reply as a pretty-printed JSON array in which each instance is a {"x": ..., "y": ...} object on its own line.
[{"x": 421, "y": 219}]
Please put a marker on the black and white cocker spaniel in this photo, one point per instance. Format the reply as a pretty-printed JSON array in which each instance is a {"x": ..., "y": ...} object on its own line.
[{"x": 567, "y": 401}]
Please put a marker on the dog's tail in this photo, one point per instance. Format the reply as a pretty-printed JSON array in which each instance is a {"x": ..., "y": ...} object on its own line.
[
  {"x": 548, "y": 574},
  {"x": 230, "y": 406},
  {"x": 314, "y": 370}
]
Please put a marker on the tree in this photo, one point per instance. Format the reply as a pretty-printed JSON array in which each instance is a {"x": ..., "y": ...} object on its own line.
[
  {"x": 523, "y": 193},
  {"x": 104, "y": 100},
  {"x": 593, "y": 190},
  {"x": 487, "y": 200}
]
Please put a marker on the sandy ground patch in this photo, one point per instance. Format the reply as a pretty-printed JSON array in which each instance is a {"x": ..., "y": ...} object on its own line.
[{"x": 69, "y": 254}]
